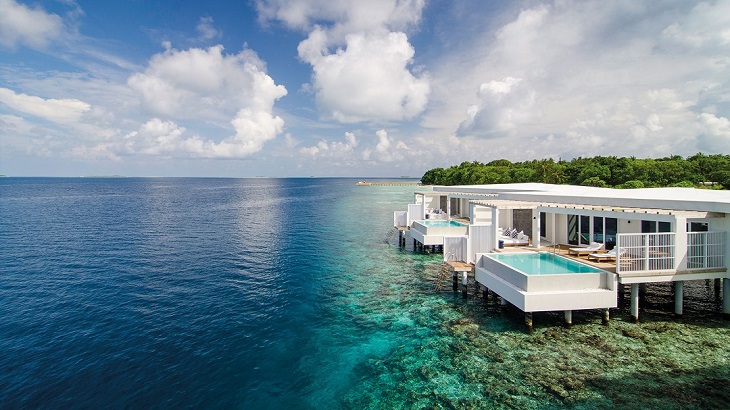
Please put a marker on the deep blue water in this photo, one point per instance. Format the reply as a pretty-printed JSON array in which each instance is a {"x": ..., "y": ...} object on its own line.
[
  {"x": 282, "y": 293},
  {"x": 173, "y": 292}
]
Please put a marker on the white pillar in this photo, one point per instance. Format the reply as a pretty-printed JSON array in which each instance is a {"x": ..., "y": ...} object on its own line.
[
  {"x": 635, "y": 301},
  {"x": 553, "y": 236},
  {"x": 678, "y": 296},
  {"x": 568, "y": 317},
  {"x": 680, "y": 243},
  {"x": 536, "y": 228},
  {"x": 495, "y": 227}
]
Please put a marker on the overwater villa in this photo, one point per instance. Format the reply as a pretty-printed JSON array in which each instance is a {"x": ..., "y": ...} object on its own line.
[{"x": 548, "y": 247}]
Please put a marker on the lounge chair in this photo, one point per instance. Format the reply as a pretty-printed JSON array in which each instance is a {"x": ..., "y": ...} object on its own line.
[
  {"x": 594, "y": 247},
  {"x": 608, "y": 256}
]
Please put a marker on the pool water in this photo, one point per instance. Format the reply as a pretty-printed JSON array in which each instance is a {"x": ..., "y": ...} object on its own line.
[
  {"x": 542, "y": 263},
  {"x": 442, "y": 224}
]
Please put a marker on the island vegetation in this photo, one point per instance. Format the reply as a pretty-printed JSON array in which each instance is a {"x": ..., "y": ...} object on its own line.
[{"x": 700, "y": 170}]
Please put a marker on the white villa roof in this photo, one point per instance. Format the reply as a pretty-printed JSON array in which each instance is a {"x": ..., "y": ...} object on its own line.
[
  {"x": 669, "y": 199},
  {"x": 514, "y": 204}
]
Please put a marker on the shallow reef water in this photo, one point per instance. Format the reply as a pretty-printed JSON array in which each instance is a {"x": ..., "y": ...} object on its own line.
[{"x": 437, "y": 349}]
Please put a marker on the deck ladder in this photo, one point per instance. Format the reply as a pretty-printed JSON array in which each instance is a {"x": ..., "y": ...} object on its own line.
[{"x": 390, "y": 234}]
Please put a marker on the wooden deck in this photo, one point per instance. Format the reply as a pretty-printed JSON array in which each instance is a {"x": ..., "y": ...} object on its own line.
[{"x": 460, "y": 266}]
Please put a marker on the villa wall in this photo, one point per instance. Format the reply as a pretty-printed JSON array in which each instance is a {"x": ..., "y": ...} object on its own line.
[
  {"x": 629, "y": 226},
  {"x": 522, "y": 220}
]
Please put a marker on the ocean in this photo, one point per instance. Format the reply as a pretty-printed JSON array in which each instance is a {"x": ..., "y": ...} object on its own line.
[{"x": 283, "y": 293}]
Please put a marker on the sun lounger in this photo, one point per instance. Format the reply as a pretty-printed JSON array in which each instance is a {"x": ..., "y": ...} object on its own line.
[
  {"x": 594, "y": 247},
  {"x": 608, "y": 256}
]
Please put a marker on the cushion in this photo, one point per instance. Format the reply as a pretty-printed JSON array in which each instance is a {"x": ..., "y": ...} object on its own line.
[{"x": 514, "y": 233}]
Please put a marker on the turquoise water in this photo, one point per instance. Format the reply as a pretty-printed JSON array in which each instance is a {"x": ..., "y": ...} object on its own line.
[
  {"x": 442, "y": 224},
  {"x": 542, "y": 263},
  {"x": 283, "y": 294}
]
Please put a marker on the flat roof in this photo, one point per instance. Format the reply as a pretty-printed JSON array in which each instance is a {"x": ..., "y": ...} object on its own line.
[
  {"x": 640, "y": 212},
  {"x": 674, "y": 199}
]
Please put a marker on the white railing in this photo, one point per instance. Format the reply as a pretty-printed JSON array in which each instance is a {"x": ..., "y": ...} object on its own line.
[
  {"x": 480, "y": 239},
  {"x": 705, "y": 250},
  {"x": 639, "y": 252},
  {"x": 415, "y": 213},
  {"x": 400, "y": 218}
]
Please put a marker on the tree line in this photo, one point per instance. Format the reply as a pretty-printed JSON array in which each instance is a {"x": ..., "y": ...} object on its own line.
[{"x": 700, "y": 170}]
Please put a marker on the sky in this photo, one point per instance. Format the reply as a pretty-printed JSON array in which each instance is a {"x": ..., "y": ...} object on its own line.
[{"x": 379, "y": 88}]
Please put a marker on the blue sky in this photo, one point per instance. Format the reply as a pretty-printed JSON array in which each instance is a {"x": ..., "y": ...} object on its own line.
[{"x": 354, "y": 88}]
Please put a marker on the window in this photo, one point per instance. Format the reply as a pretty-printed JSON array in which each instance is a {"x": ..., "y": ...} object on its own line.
[
  {"x": 598, "y": 229},
  {"x": 573, "y": 229},
  {"x": 698, "y": 227},
  {"x": 611, "y": 231},
  {"x": 585, "y": 230},
  {"x": 654, "y": 227}
]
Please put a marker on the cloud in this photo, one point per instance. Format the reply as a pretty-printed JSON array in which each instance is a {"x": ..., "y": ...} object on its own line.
[
  {"x": 206, "y": 29},
  {"x": 369, "y": 80},
  {"x": 20, "y": 24},
  {"x": 333, "y": 149},
  {"x": 715, "y": 133},
  {"x": 57, "y": 110},
  {"x": 360, "y": 56},
  {"x": 386, "y": 150},
  {"x": 503, "y": 106},
  {"x": 206, "y": 85},
  {"x": 573, "y": 78},
  {"x": 168, "y": 139},
  {"x": 346, "y": 16}
]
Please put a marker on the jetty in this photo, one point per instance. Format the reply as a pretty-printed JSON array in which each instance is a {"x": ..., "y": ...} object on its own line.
[{"x": 389, "y": 183}]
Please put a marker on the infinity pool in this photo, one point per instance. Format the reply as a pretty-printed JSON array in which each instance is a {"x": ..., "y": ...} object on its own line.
[
  {"x": 542, "y": 263},
  {"x": 441, "y": 223}
]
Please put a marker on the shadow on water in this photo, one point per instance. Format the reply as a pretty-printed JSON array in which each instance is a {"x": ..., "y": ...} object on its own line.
[{"x": 705, "y": 388}]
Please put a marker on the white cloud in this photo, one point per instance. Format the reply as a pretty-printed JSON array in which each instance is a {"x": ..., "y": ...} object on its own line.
[
  {"x": 386, "y": 150},
  {"x": 503, "y": 106},
  {"x": 332, "y": 149},
  {"x": 360, "y": 56},
  {"x": 347, "y": 16},
  {"x": 20, "y": 24},
  {"x": 715, "y": 133},
  {"x": 57, "y": 110},
  {"x": 206, "y": 29},
  {"x": 575, "y": 78},
  {"x": 368, "y": 80},
  {"x": 206, "y": 85}
]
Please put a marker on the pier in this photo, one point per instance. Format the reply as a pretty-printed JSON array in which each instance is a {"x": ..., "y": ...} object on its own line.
[{"x": 389, "y": 183}]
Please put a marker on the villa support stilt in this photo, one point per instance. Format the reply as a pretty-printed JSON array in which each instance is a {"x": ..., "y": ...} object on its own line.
[
  {"x": 456, "y": 281},
  {"x": 678, "y": 296},
  {"x": 464, "y": 283},
  {"x": 528, "y": 321},
  {"x": 485, "y": 292},
  {"x": 635, "y": 302},
  {"x": 502, "y": 301},
  {"x": 568, "y": 314},
  {"x": 726, "y": 296},
  {"x": 605, "y": 316},
  {"x": 718, "y": 286}
]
